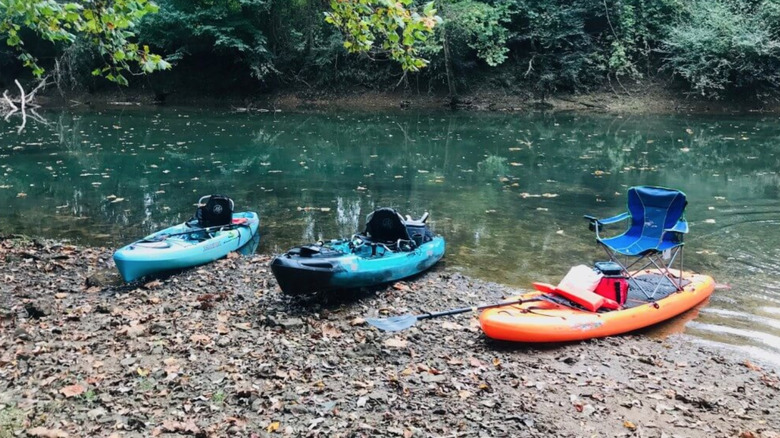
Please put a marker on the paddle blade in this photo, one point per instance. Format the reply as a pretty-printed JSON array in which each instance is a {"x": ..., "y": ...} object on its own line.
[{"x": 394, "y": 323}]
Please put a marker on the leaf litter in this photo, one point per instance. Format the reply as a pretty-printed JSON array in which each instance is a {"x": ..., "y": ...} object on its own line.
[{"x": 219, "y": 351}]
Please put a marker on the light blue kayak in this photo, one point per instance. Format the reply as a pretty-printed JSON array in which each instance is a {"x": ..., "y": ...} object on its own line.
[{"x": 184, "y": 246}]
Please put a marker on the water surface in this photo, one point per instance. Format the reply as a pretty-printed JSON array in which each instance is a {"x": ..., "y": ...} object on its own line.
[{"x": 508, "y": 191}]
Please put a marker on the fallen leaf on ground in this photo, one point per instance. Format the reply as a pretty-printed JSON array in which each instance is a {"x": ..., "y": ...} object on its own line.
[
  {"x": 242, "y": 325},
  {"x": 153, "y": 284},
  {"x": 396, "y": 343},
  {"x": 331, "y": 331},
  {"x": 73, "y": 390},
  {"x": 200, "y": 339},
  {"x": 43, "y": 432},
  {"x": 629, "y": 425},
  {"x": 132, "y": 331},
  {"x": 451, "y": 325},
  {"x": 188, "y": 426},
  {"x": 273, "y": 427},
  {"x": 401, "y": 286}
]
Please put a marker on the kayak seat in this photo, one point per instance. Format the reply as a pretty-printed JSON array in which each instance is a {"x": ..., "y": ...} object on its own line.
[
  {"x": 654, "y": 236},
  {"x": 386, "y": 226},
  {"x": 217, "y": 211}
]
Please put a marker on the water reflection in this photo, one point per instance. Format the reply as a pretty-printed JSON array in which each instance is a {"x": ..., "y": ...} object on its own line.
[{"x": 508, "y": 191}]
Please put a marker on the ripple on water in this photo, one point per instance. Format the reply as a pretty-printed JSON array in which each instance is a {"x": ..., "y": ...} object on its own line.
[
  {"x": 756, "y": 353},
  {"x": 737, "y": 336}
]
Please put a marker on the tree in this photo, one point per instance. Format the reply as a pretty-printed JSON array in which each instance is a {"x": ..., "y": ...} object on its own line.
[
  {"x": 394, "y": 25},
  {"x": 105, "y": 24},
  {"x": 725, "y": 45}
]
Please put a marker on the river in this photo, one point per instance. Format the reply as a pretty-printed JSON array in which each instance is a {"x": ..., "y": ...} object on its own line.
[{"x": 508, "y": 191}]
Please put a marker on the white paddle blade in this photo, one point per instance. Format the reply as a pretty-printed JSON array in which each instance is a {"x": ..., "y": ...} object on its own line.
[{"x": 393, "y": 324}]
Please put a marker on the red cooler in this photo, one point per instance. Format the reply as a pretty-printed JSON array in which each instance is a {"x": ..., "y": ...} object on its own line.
[{"x": 614, "y": 283}]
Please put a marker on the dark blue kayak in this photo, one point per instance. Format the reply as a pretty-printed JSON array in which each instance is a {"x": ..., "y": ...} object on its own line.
[{"x": 392, "y": 248}]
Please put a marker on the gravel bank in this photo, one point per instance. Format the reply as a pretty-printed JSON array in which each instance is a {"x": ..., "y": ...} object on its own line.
[{"x": 218, "y": 351}]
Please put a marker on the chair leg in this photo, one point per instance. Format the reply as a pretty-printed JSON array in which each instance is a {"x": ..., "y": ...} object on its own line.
[
  {"x": 656, "y": 260},
  {"x": 660, "y": 265}
]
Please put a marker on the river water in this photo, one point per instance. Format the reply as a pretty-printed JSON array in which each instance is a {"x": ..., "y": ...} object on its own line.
[{"x": 508, "y": 191}]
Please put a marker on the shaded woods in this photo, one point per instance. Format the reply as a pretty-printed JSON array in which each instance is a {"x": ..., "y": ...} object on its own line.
[{"x": 541, "y": 47}]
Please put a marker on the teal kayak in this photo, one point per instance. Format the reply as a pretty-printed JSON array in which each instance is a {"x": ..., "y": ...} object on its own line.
[
  {"x": 396, "y": 249},
  {"x": 183, "y": 246}
]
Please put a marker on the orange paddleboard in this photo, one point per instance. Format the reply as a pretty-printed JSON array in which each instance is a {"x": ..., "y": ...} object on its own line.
[{"x": 542, "y": 321}]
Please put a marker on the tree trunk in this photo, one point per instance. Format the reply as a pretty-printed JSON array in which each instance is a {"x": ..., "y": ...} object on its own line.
[{"x": 447, "y": 58}]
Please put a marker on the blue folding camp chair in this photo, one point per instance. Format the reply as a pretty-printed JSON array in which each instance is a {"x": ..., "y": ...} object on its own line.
[{"x": 654, "y": 236}]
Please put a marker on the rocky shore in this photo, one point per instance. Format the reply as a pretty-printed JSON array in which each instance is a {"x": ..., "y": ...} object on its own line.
[{"x": 219, "y": 351}]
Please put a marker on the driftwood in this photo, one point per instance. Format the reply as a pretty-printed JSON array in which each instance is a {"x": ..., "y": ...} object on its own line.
[{"x": 23, "y": 104}]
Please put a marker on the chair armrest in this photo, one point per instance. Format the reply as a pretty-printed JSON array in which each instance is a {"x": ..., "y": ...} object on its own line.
[
  {"x": 680, "y": 227},
  {"x": 614, "y": 219},
  {"x": 596, "y": 224}
]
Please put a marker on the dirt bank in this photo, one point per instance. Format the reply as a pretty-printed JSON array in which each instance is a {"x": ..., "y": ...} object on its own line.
[
  {"x": 218, "y": 351},
  {"x": 647, "y": 98}
]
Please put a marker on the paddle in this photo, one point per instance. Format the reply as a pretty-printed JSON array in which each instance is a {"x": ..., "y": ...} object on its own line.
[{"x": 403, "y": 322}]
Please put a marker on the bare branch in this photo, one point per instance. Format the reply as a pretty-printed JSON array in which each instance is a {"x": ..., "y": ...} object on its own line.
[
  {"x": 530, "y": 66},
  {"x": 9, "y": 101},
  {"x": 22, "y": 103},
  {"x": 403, "y": 76},
  {"x": 41, "y": 86},
  {"x": 39, "y": 118},
  {"x": 10, "y": 113}
]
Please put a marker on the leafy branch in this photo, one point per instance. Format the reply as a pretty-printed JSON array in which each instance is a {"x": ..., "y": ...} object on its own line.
[
  {"x": 393, "y": 25},
  {"x": 106, "y": 24}
]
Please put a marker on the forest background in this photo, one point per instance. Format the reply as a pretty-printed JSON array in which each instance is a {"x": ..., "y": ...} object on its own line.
[{"x": 716, "y": 49}]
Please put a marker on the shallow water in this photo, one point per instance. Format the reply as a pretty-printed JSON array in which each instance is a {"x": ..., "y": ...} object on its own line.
[{"x": 508, "y": 191}]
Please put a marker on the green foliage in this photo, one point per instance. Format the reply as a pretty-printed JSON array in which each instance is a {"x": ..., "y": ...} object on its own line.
[
  {"x": 723, "y": 44},
  {"x": 481, "y": 27},
  {"x": 634, "y": 30},
  {"x": 90, "y": 396},
  {"x": 389, "y": 24},
  {"x": 107, "y": 25},
  {"x": 218, "y": 397},
  {"x": 545, "y": 46},
  {"x": 205, "y": 28},
  {"x": 558, "y": 50}
]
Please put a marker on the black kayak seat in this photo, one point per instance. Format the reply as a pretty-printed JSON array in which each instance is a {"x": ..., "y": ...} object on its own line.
[
  {"x": 385, "y": 225},
  {"x": 217, "y": 211}
]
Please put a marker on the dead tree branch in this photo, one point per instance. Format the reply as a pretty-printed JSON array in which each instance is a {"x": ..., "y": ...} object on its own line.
[{"x": 26, "y": 101}]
